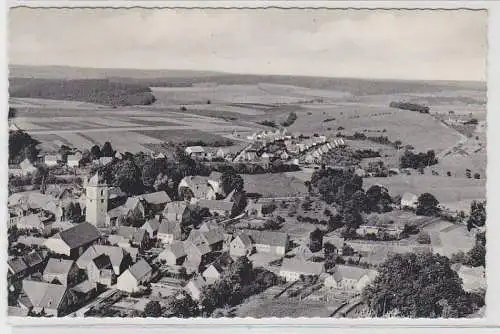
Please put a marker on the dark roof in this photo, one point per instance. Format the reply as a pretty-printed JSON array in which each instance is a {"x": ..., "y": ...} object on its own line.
[
  {"x": 268, "y": 238},
  {"x": 140, "y": 269},
  {"x": 79, "y": 235},
  {"x": 17, "y": 265},
  {"x": 102, "y": 261},
  {"x": 216, "y": 204},
  {"x": 159, "y": 197},
  {"x": 33, "y": 259},
  {"x": 58, "y": 266}
]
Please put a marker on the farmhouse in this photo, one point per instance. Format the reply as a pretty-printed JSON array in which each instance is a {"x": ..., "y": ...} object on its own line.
[
  {"x": 241, "y": 245},
  {"x": 73, "y": 160},
  {"x": 173, "y": 211},
  {"x": 35, "y": 222},
  {"x": 409, "y": 200},
  {"x": 52, "y": 160},
  {"x": 269, "y": 242},
  {"x": 349, "y": 278},
  {"x": 135, "y": 236},
  {"x": 197, "y": 251},
  {"x": 50, "y": 299},
  {"x": 198, "y": 186},
  {"x": 195, "y": 287},
  {"x": 174, "y": 254},
  {"x": 212, "y": 273},
  {"x": 35, "y": 261},
  {"x": 118, "y": 257},
  {"x": 195, "y": 151},
  {"x": 59, "y": 270},
  {"x": 136, "y": 275},
  {"x": 217, "y": 207},
  {"x": 213, "y": 238},
  {"x": 100, "y": 270},
  {"x": 292, "y": 269},
  {"x": 151, "y": 226},
  {"x": 168, "y": 232},
  {"x": 73, "y": 241},
  {"x": 27, "y": 167}
]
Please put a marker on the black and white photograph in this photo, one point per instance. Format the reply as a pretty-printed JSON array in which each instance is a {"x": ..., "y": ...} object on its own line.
[{"x": 246, "y": 163}]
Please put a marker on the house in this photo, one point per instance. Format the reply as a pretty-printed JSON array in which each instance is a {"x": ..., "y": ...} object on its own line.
[
  {"x": 197, "y": 252},
  {"x": 35, "y": 222},
  {"x": 212, "y": 273},
  {"x": 209, "y": 225},
  {"x": 34, "y": 261},
  {"x": 173, "y": 211},
  {"x": 269, "y": 242},
  {"x": 73, "y": 241},
  {"x": 473, "y": 278},
  {"x": 117, "y": 255},
  {"x": 364, "y": 230},
  {"x": 51, "y": 160},
  {"x": 168, "y": 231},
  {"x": 136, "y": 236},
  {"x": 60, "y": 270},
  {"x": 198, "y": 187},
  {"x": 174, "y": 254},
  {"x": 254, "y": 209},
  {"x": 195, "y": 151},
  {"x": 85, "y": 291},
  {"x": 304, "y": 253},
  {"x": 14, "y": 311},
  {"x": 136, "y": 275},
  {"x": 213, "y": 238},
  {"x": 46, "y": 298},
  {"x": 16, "y": 268},
  {"x": 409, "y": 200},
  {"x": 195, "y": 287},
  {"x": 292, "y": 269},
  {"x": 349, "y": 278},
  {"x": 241, "y": 245},
  {"x": 100, "y": 270},
  {"x": 136, "y": 206},
  {"x": 73, "y": 160},
  {"x": 27, "y": 167},
  {"x": 155, "y": 201},
  {"x": 217, "y": 207},
  {"x": 151, "y": 226}
]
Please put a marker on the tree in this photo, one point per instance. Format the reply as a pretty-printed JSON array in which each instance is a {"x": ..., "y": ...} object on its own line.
[
  {"x": 12, "y": 113},
  {"x": 477, "y": 176},
  {"x": 427, "y": 205},
  {"x": 152, "y": 309},
  {"x": 477, "y": 216},
  {"x": 182, "y": 306},
  {"x": 416, "y": 285},
  {"x": 231, "y": 181},
  {"x": 378, "y": 199},
  {"x": 107, "y": 150},
  {"x": 476, "y": 257},
  {"x": 424, "y": 238},
  {"x": 127, "y": 176},
  {"x": 21, "y": 146},
  {"x": 95, "y": 152}
]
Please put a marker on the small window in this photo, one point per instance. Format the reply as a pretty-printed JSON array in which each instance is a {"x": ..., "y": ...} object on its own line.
[
  {"x": 102, "y": 192},
  {"x": 102, "y": 201}
]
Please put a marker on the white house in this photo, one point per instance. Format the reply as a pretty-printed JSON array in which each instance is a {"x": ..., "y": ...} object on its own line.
[
  {"x": 51, "y": 160},
  {"x": 241, "y": 245},
  {"x": 350, "y": 278},
  {"x": 27, "y": 167},
  {"x": 73, "y": 160},
  {"x": 212, "y": 273},
  {"x": 195, "y": 151},
  {"x": 174, "y": 254},
  {"x": 60, "y": 270},
  {"x": 292, "y": 269},
  {"x": 409, "y": 200},
  {"x": 133, "y": 277},
  {"x": 168, "y": 232},
  {"x": 195, "y": 287}
]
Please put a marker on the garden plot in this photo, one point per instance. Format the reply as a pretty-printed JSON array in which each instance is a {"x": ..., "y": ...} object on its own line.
[
  {"x": 77, "y": 140},
  {"x": 274, "y": 185},
  {"x": 129, "y": 142}
]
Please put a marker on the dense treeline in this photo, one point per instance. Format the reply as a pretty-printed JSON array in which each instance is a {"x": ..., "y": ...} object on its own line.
[
  {"x": 21, "y": 146},
  {"x": 410, "y": 106},
  {"x": 418, "y": 160},
  {"x": 100, "y": 91}
]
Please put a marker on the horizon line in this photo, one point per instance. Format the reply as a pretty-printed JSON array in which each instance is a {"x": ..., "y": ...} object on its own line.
[{"x": 216, "y": 72}]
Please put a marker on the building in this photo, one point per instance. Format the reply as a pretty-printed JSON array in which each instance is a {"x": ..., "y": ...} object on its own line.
[
  {"x": 213, "y": 238},
  {"x": 96, "y": 206},
  {"x": 241, "y": 245},
  {"x": 173, "y": 211},
  {"x": 254, "y": 209},
  {"x": 349, "y": 278},
  {"x": 46, "y": 298},
  {"x": 473, "y": 278},
  {"x": 198, "y": 187},
  {"x": 316, "y": 240},
  {"x": 51, "y": 160},
  {"x": 197, "y": 252},
  {"x": 119, "y": 258},
  {"x": 135, "y": 276},
  {"x": 35, "y": 222},
  {"x": 35, "y": 261},
  {"x": 73, "y": 160},
  {"x": 174, "y": 254},
  {"x": 269, "y": 242},
  {"x": 27, "y": 167},
  {"x": 409, "y": 200},
  {"x": 195, "y": 287},
  {"x": 155, "y": 201},
  {"x": 100, "y": 270},
  {"x": 151, "y": 226},
  {"x": 168, "y": 231},
  {"x": 16, "y": 269},
  {"x": 73, "y": 241},
  {"x": 292, "y": 269},
  {"x": 136, "y": 237},
  {"x": 217, "y": 207},
  {"x": 212, "y": 273},
  {"x": 61, "y": 271},
  {"x": 195, "y": 151}
]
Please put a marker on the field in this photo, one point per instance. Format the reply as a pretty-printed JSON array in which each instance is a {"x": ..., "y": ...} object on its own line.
[
  {"x": 274, "y": 185},
  {"x": 456, "y": 193},
  {"x": 448, "y": 238},
  {"x": 281, "y": 307}
]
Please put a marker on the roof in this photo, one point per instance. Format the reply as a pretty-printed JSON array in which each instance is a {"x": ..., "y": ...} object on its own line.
[
  {"x": 176, "y": 248},
  {"x": 140, "y": 269},
  {"x": 132, "y": 233},
  {"x": 17, "y": 265},
  {"x": 176, "y": 207},
  {"x": 302, "y": 266},
  {"x": 33, "y": 259},
  {"x": 95, "y": 180},
  {"x": 409, "y": 197},
  {"x": 102, "y": 261},
  {"x": 213, "y": 236},
  {"x": 13, "y": 311},
  {"x": 216, "y": 205},
  {"x": 132, "y": 202},
  {"x": 118, "y": 211},
  {"x": 153, "y": 224},
  {"x": 159, "y": 197},
  {"x": 74, "y": 157},
  {"x": 168, "y": 227},
  {"x": 79, "y": 235},
  {"x": 84, "y": 287},
  {"x": 196, "y": 247},
  {"x": 198, "y": 184},
  {"x": 30, "y": 221},
  {"x": 245, "y": 239},
  {"x": 51, "y": 158},
  {"x": 194, "y": 149},
  {"x": 58, "y": 266},
  {"x": 115, "y": 254},
  {"x": 44, "y": 295},
  {"x": 215, "y": 176},
  {"x": 198, "y": 282},
  {"x": 350, "y": 272},
  {"x": 268, "y": 238}
]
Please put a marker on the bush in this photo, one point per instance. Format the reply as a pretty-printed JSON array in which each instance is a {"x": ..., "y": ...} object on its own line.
[{"x": 424, "y": 238}]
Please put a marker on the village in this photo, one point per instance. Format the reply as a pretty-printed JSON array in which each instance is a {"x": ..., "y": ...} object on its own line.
[{"x": 80, "y": 245}]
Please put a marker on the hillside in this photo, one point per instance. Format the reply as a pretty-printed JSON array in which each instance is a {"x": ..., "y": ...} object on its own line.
[{"x": 100, "y": 91}]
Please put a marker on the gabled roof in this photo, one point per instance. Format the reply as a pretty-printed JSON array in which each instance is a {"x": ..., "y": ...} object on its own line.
[
  {"x": 176, "y": 248},
  {"x": 132, "y": 233},
  {"x": 409, "y": 197},
  {"x": 349, "y": 272},
  {"x": 140, "y": 269},
  {"x": 16, "y": 265},
  {"x": 115, "y": 254},
  {"x": 33, "y": 259},
  {"x": 102, "y": 262},
  {"x": 213, "y": 236},
  {"x": 118, "y": 212},
  {"x": 132, "y": 202},
  {"x": 44, "y": 295},
  {"x": 194, "y": 149},
  {"x": 58, "y": 266},
  {"x": 31, "y": 221},
  {"x": 196, "y": 248},
  {"x": 197, "y": 282},
  {"x": 277, "y": 239},
  {"x": 302, "y": 266},
  {"x": 245, "y": 239},
  {"x": 79, "y": 235},
  {"x": 177, "y": 207},
  {"x": 84, "y": 287},
  {"x": 95, "y": 180},
  {"x": 216, "y": 204},
  {"x": 168, "y": 227},
  {"x": 153, "y": 224},
  {"x": 159, "y": 197}
]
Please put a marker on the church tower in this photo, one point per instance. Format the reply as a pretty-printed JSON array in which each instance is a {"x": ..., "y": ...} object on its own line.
[{"x": 96, "y": 207}]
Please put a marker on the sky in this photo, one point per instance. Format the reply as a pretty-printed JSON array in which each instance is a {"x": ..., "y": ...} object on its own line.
[{"x": 395, "y": 44}]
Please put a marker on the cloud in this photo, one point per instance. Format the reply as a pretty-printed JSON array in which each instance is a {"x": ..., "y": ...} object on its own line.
[{"x": 402, "y": 44}]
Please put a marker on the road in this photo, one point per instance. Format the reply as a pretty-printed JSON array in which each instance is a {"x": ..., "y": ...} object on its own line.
[{"x": 99, "y": 299}]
